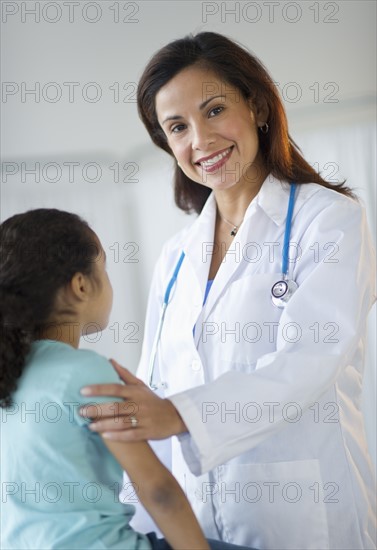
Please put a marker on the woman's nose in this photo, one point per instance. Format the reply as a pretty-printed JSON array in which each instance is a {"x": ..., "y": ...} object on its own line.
[{"x": 202, "y": 136}]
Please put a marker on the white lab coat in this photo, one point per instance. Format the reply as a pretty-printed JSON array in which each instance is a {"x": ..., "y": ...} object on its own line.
[{"x": 276, "y": 455}]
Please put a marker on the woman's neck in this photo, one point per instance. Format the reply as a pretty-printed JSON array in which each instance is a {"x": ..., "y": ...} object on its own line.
[{"x": 232, "y": 203}]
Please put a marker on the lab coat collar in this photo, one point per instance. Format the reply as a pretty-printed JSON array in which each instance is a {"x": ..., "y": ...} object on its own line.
[
  {"x": 271, "y": 198},
  {"x": 272, "y": 194}
]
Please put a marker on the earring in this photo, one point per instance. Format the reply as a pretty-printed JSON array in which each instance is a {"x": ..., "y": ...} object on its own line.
[{"x": 264, "y": 129}]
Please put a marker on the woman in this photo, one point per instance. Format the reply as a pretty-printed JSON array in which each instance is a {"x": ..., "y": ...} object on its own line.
[{"x": 261, "y": 352}]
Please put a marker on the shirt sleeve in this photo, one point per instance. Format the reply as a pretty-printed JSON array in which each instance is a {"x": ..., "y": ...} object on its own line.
[
  {"x": 336, "y": 291},
  {"x": 87, "y": 367}
]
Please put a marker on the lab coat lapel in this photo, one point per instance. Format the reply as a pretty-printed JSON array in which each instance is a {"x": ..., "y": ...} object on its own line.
[
  {"x": 199, "y": 243},
  {"x": 228, "y": 269},
  {"x": 269, "y": 205}
]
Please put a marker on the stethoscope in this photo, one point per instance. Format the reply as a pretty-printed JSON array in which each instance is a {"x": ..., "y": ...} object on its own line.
[{"x": 281, "y": 292}]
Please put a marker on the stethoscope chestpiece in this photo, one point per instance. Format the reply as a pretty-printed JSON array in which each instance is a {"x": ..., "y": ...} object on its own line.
[{"x": 282, "y": 291}]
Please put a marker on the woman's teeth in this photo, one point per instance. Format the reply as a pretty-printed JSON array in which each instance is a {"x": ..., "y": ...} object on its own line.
[{"x": 214, "y": 160}]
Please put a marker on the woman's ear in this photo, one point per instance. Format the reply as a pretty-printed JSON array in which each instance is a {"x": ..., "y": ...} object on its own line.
[{"x": 260, "y": 110}]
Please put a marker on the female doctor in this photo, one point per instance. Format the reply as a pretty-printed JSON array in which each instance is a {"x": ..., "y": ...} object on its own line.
[{"x": 265, "y": 297}]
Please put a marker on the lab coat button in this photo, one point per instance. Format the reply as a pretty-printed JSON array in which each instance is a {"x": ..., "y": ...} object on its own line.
[{"x": 195, "y": 365}]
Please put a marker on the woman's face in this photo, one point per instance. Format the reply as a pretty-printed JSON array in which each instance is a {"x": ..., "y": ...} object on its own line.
[{"x": 211, "y": 130}]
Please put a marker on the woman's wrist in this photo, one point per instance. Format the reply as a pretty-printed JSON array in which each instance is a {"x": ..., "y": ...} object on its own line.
[{"x": 178, "y": 425}]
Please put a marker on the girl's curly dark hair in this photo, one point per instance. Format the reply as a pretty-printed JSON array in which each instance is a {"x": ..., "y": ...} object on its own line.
[{"x": 40, "y": 252}]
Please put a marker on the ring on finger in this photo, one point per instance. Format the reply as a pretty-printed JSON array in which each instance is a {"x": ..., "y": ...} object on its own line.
[{"x": 134, "y": 421}]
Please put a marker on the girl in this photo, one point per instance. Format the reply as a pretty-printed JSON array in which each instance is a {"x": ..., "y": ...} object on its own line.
[{"x": 60, "y": 482}]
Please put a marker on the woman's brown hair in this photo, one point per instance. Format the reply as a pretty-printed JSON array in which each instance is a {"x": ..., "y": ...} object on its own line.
[{"x": 234, "y": 65}]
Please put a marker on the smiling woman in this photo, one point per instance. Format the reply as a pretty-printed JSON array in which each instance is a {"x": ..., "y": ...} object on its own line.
[{"x": 249, "y": 386}]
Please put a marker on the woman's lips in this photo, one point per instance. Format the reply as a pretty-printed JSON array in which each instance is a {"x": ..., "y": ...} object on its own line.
[{"x": 209, "y": 166}]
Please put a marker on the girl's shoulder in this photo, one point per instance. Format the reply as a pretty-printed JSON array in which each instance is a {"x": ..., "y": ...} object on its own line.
[
  {"x": 57, "y": 354},
  {"x": 65, "y": 366},
  {"x": 62, "y": 371}
]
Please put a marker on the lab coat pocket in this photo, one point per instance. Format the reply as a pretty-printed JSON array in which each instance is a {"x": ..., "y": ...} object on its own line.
[{"x": 282, "y": 503}]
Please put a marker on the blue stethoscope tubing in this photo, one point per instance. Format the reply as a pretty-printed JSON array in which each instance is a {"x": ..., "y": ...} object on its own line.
[
  {"x": 287, "y": 234},
  {"x": 161, "y": 324},
  {"x": 281, "y": 291}
]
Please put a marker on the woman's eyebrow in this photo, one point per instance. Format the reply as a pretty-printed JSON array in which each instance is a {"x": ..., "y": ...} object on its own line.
[{"x": 201, "y": 107}]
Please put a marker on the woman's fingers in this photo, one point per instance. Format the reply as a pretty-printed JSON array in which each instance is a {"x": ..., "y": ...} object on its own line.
[
  {"x": 125, "y": 374},
  {"x": 98, "y": 411},
  {"x": 143, "y": 412},
  {"x": 112, "y": 424},
  {"x": 112, "y": 390},
  {"x": 126, "y": 435}
]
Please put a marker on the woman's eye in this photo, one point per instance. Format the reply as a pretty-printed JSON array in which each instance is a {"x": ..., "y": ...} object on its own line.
[
  {"x": 216, "y": 110},
  {"x": 176, "y": 129}
]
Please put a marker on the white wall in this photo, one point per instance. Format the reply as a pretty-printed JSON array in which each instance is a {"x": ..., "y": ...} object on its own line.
[{"x": 298, "y": 51}]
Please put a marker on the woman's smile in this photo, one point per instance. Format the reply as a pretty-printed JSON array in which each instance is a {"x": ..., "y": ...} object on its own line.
[{"x": 215, "y": 161}]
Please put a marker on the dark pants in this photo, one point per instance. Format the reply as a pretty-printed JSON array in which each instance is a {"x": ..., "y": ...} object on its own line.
[{"x": 161, "y": 544}]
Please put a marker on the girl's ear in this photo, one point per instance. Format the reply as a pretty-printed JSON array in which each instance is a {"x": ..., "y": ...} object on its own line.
[{"x": 81, "y": 287}]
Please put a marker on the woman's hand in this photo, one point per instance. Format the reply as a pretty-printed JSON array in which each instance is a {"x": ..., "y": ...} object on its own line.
[{"x": 143, "y": 415}]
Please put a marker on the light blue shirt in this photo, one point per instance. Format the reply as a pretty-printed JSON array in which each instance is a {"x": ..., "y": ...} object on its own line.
[
  {"x": 208, "y": 288},
  {"x": 60, "y": 484}
]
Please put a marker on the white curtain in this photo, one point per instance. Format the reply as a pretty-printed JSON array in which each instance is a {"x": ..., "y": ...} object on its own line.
[{"x": 349, "y": 152}]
